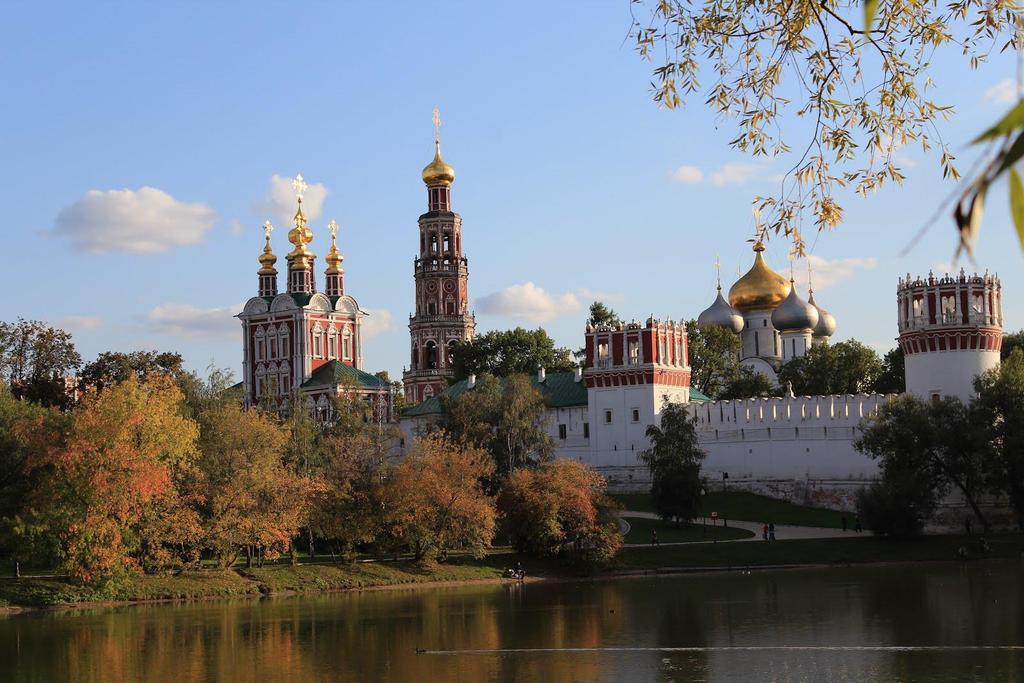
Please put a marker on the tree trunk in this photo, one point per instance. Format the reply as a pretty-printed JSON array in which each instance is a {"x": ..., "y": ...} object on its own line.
[
  {"x": 977, "y": 512},
  {"x": 312, "y": 552},
  {"x": 248, "y": 556},
  {"x": 17, "y": 569}
]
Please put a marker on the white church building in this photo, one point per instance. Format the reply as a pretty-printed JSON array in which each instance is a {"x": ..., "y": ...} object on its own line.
[{"x": 801, "y": 447}]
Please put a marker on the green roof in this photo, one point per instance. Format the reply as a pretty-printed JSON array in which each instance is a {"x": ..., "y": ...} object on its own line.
[
  {"x": 334, "y": 372},
  {"x": 697, "y": 396},
  {"x": 560, "y": 390}
]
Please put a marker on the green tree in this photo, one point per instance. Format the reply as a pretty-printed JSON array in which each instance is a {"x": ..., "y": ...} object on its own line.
[
  {"x": 507, "y": 352},
  {"x": 504, "y": 417},
  {"x": 1000, "y": 407},
  {"x": 113, "y": 367},
  {"x": 1011, "y": 341},
  {"x": 747, "y": 383},
  {"x": 34, "y": 360},
  {"x": 714, "y": 357},
  {"x": 674, "y": 460},
  {"x": 602, "y": 315},
  {"x": 936, "y": 445},
  {"x": 892, "y": 379},
  {"x": 848, "y": 367},
  {"x": 859, "y": 72}
]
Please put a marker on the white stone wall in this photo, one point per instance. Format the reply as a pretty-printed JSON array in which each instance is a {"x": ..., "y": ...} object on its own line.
[{"x": 947, "y": 373}]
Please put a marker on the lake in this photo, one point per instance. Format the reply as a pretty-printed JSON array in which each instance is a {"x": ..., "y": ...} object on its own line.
[{"x": 928, "y": 622}]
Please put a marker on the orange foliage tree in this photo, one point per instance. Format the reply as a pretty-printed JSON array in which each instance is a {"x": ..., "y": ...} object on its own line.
[
  {"x": 253, "y": 501},
  {"x": 125, "y": 449},
  {"x": 434, "y": 502},
  {"x": 561, "y": 509}
]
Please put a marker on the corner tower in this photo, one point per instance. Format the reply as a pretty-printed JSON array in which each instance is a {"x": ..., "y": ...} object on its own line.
[
  {"x": 441, "y": 272},
  {"x": 951, "y": 331}
]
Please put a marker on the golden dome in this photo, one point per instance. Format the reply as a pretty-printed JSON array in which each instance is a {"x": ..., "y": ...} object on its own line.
[
  {"x": 437, "y": 172},
  {"x": 334, "y": 257},
  {"x": 761, "y": 288},
  {"x": 267, "y": 258},
  {"x": 300, "y": 257}
]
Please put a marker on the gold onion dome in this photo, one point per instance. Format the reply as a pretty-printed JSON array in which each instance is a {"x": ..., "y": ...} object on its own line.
[
  {"x": 300, "y": 236},
  {"x": 794, "y": 313},
  {"x": 334, "y": 257},
  {"x": 267, "y": 258},
  {"x": 437, "y": 172},
  {"x": 761, "y": 288}
]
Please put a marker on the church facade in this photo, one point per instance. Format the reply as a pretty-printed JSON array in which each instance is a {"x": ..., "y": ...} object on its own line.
[{"x": 303, "y": 345}]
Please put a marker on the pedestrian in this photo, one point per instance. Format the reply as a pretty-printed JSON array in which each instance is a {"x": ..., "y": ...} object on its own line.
[
  {"x": 844, "y": 522},
  {"x": 764, "y": 531},
  {"x": 654, "y": 537},
  {"x": 771, "y": 531}
]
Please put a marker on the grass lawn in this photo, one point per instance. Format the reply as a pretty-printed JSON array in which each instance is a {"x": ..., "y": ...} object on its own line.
[
  {"x": 858, "y": 548},
  {"x": 749, "y": 507},
  {"x": 640, "y": 532}
]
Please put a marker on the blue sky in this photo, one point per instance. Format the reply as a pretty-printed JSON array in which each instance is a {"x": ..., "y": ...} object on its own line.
[{"x": 565, "y": 170}]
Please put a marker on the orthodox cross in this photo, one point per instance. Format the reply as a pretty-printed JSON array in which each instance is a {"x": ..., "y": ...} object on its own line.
[
  {"x": 810, "y": 287},
  {"x": 299, "y": 185},
  {"x": 333, "y": 228},
  {"x": 718, "y": 271},
  {"x": 267, "y": 229},
  {"x": 437, "y": 125}
]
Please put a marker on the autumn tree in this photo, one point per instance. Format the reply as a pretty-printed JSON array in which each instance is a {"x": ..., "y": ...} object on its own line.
[
  {"x": 1000, "y": 407},
  {"x": 561, "y": 509},
  {"x": 847, "y": 367},
  {"x": 253, "y": 501},
  {"x": 859, "y": 72},
  {"x": 434, "y": 503},
  {"x": 507, "y": 352},
  {"x": 125, "y": 450},
  {"x": 505, "y": 417},
  {"x": 674, "y": 460},
  {"x": 714, "y": 357},
  {"x": 35, "y": 358}
]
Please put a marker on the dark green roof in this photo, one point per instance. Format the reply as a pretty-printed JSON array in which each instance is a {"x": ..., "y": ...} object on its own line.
[
  {"x": 301, "y": 298},
  {"x": 559, "y": 389},
  {"x": 334, "y": 372},
  {"x": 697, "y": 396}
]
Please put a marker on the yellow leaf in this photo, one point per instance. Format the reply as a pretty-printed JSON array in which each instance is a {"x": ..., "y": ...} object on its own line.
[{"x": 1017, "y": 204}]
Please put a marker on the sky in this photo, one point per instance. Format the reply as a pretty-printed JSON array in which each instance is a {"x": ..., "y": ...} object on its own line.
[{"x": 144, "y": 145}]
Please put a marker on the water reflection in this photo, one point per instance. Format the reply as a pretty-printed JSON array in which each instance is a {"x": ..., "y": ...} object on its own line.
[{"x": 373, "y": 636}]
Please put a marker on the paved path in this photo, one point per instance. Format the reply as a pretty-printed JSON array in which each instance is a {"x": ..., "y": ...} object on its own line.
[{"x": 782, "y": 532}]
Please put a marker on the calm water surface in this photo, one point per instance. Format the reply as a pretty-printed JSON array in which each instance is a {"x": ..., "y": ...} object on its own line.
[{"x": 936, "y": 622}]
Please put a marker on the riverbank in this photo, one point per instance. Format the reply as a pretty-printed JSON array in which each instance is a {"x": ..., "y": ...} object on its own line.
[{"x": 283, "y": 579}]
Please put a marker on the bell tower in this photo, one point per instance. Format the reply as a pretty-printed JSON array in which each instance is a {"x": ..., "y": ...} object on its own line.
[{"x": 441, "y": 273}]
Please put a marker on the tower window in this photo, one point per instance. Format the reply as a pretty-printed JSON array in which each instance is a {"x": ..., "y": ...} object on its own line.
[
  {"x": 634, "y": 352},
  {"x": 636, "y": 415},
  {"x": 757, "y": 344},
  {"x": 608, "y": 417},
  {"x": 561, "y": 432},
  {"x": 586, "y": 430}
]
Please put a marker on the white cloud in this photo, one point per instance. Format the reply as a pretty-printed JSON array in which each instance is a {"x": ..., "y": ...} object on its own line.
[
  {"x": 280, "y": 200},
  {"x": 377, "y": 321},
  {"x": 186, "y": 320},
  {"x": 1003, "y": 92},
  {"x": 687, "y": 175},
  {"x": 236, "y": 227},
  {"x": 528, "y": 302},
  {"x": 733, "y": 173},
  {"x": 604, "y": 297},
  {"x": 82, "y": 322},
  {"x": 829, "y": 273},
  {"x": 145, "y": 221}
]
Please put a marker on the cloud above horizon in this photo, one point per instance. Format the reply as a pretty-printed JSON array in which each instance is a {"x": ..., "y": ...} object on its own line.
[
  {"x": 143, "y": 221},
  {"x": 186, "y": 320},
  {"x": 831, "y": 272},
  {"x": 528, "y": 302},
  {"x": 82, "y": 322},
  {"x": 377, "y": 321},
  {"x": 1003, "y": 92},
  {"x": 729, "y": 173},
  {"x": 279, "y": 202}
]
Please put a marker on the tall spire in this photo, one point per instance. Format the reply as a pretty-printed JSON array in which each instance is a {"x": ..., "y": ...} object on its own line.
[
  {"x": 334, "y": 275},
  {"x": 267, "y": 271},
  {"x": 300, "y": 259},
  {"x": 438, "y": 175}
]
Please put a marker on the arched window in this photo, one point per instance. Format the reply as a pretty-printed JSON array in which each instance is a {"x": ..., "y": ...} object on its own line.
[
  {"x": 428, "y": 391},
  {"x": 272, "y": 343},
  {"x": 283, "y": 341},
  {"x": 346, "y": 344},
  {"x": 431, "y": 356},
  {"x": 433, "y": 244},
  {"x": 450, "y": 306},
  {"x": 332, "y": 343}
]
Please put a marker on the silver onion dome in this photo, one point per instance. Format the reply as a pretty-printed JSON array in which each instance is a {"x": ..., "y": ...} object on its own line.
[
  {"x": 721, "y": 314},
  {"x": 794, "y": 314},
  {"x": 826, "y": 326}
]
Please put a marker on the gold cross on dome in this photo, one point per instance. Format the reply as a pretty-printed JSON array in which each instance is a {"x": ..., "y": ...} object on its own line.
[
  {"x": 333, "y": 228},
  {"x": 437, "y": 124},
  {"x": 810, "y": 272},
  {"x": 299, "y": 185},
  {"x": 267, "y": 229},
  {"x": 718, "y": 270}
]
